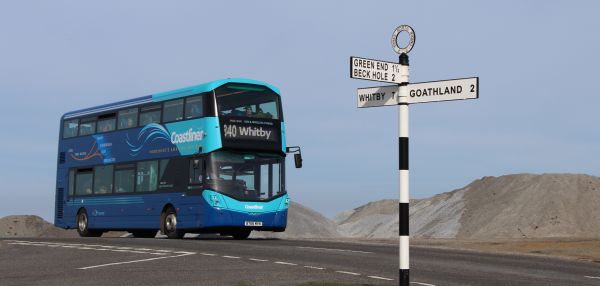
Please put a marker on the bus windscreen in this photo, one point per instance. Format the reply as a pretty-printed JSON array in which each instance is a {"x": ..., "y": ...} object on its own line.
[{"x": 253, "y": 101}]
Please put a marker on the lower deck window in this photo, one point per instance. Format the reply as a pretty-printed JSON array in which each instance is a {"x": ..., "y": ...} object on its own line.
[
  {"x": 83, "y": 183},
  {"x": 103, "y": 179},
  {"x": 124, "y": 180},
  {"x": 147, "y": 176}
]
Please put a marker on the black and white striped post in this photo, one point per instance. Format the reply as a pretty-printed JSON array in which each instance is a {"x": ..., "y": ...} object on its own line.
[
  {"x": 434, "y": 91},
  {"x": 403, "y": 171}
]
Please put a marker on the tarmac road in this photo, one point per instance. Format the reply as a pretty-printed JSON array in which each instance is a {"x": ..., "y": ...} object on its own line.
[{"x": 222, "y": 261}]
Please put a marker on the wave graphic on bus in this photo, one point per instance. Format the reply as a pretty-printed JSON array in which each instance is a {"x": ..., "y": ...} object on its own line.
[
  {"x": 87, "y": 155},
  {"x": 148, "y": 134}
]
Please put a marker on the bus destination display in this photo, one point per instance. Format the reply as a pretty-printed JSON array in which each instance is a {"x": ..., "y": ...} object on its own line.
[{"x": 249, "y": 129}]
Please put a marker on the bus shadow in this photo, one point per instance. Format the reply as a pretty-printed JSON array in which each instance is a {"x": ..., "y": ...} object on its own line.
[{"x": 219, "y": 237}]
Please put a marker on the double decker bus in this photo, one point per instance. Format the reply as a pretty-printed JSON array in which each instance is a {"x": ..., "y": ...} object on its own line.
[{"x": 203, "y": 159}]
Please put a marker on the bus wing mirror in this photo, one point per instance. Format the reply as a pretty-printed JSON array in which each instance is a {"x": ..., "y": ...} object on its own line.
[
  {"x": 297, "y": 155},
  {"x": 298, "y": 160}
]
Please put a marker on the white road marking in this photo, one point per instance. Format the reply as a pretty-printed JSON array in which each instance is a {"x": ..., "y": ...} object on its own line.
[
  {"x": 135, "y": 251},
  {"x": 334, "y": 249},
  {"x": 349, "y": 273},
  {"x": 592, "y": 277},
  {"x": 207, "y": 254},
  {"x": 380, "y": 278},
  {"x": 119, "y": 250},
  {"x": 258, "y": 260},
  {"x": 134, "y": 261},
  {"x": 314, "y": 267},
  {"x": 424, "y": 284},
  {"x": 233, "y": 257},
  {"x": 285, "y": 263},
  {"x": 181, "y": 252}
]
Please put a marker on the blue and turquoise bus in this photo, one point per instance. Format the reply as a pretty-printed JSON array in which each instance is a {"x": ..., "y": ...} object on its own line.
[{"x": 203, "y": 159}]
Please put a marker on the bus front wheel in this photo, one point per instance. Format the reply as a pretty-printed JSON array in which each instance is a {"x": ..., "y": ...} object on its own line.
[
  {"x": 169, "y": 224},
  {"x": 83, "y": 225}
]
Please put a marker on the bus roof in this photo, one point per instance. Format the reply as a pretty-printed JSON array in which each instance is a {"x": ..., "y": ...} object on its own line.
[{"x": 167, "y": 95}]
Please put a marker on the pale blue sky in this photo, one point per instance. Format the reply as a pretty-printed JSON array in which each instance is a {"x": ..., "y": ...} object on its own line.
[{"x": 537, "y": 62}]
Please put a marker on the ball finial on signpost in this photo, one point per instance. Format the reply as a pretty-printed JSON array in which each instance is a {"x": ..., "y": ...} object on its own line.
[{"x": 411, "y": 41}]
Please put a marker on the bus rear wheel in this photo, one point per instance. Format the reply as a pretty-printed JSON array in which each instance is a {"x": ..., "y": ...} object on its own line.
[
  {"x": 168, "y": 224},
  {"x": 143, "y": 233},
  {"x": 83, "y": 225}
]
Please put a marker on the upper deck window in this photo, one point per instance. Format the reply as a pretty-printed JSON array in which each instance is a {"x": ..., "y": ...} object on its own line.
[
  {"x": 87, "y": 126},
  {"x": 150, "y": 114},
  {"x": 245, "y": 100},
  {"x": 107, "y": 124},
  {"x": 70, "y": 128},
  {"x": 128, "y": 118},
  {"x": 173, "y": 110},
  {"x": 193, "y": 107}
]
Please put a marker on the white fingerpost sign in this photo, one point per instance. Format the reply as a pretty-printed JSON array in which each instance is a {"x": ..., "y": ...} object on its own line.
[
  {"x": 403, "y": 94},
  {"x": 377, "y": 96},
  {"x": 362, "y": 68},
  {"x": 444, "y": 90}
]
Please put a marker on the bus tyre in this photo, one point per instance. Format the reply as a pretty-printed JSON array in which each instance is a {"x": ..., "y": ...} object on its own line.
[
  {"x": 241, "y": 234},
  {"x": 143, "y": 233},
  {"x": 168, "y": 224},
  {"x": 83, "y": 223}
]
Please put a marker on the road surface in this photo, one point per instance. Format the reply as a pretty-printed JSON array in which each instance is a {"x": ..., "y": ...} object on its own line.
[{"x": 222, "y": 261}]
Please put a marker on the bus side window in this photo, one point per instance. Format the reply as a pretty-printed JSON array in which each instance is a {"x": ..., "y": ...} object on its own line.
[
  {"x": 83, "y": 182},
  {"x": 193, "y": 107},
  {"x": 173, "y": 110},
  {"x": 106, "y": 125},
  {"x": 70, "y": 128},
  {"x": 124, "y": 178},
  {"x": 103, "y": 179},
  {"x": 71, "y": 182},
  {"x": 196, "y": 171},
  {"x": 147, "y": 176},
  {"x": 87, "y": 126},
  {"x": 150, "y": 114},
  {"x": 128, "y": 118}
]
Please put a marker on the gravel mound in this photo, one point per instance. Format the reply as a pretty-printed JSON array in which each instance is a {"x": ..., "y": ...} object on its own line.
[
  {"x": 512, "y": 206},
  {"x": 303, "y": 222},
  {"x": 532, "y": 206},
  {"x": 31, "y": 226}
]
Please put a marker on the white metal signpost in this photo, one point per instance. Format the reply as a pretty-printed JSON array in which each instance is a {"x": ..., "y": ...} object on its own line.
[{"x": 402, "y": 95}]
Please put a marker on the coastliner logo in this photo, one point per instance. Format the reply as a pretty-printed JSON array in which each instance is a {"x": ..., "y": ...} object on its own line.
[
  {"x": 253, "y": 207},
  {"x": 188, "y": 136}
]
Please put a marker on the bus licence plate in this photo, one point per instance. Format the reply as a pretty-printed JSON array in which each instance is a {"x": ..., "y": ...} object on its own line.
[{"x": 253, "y": 223}]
